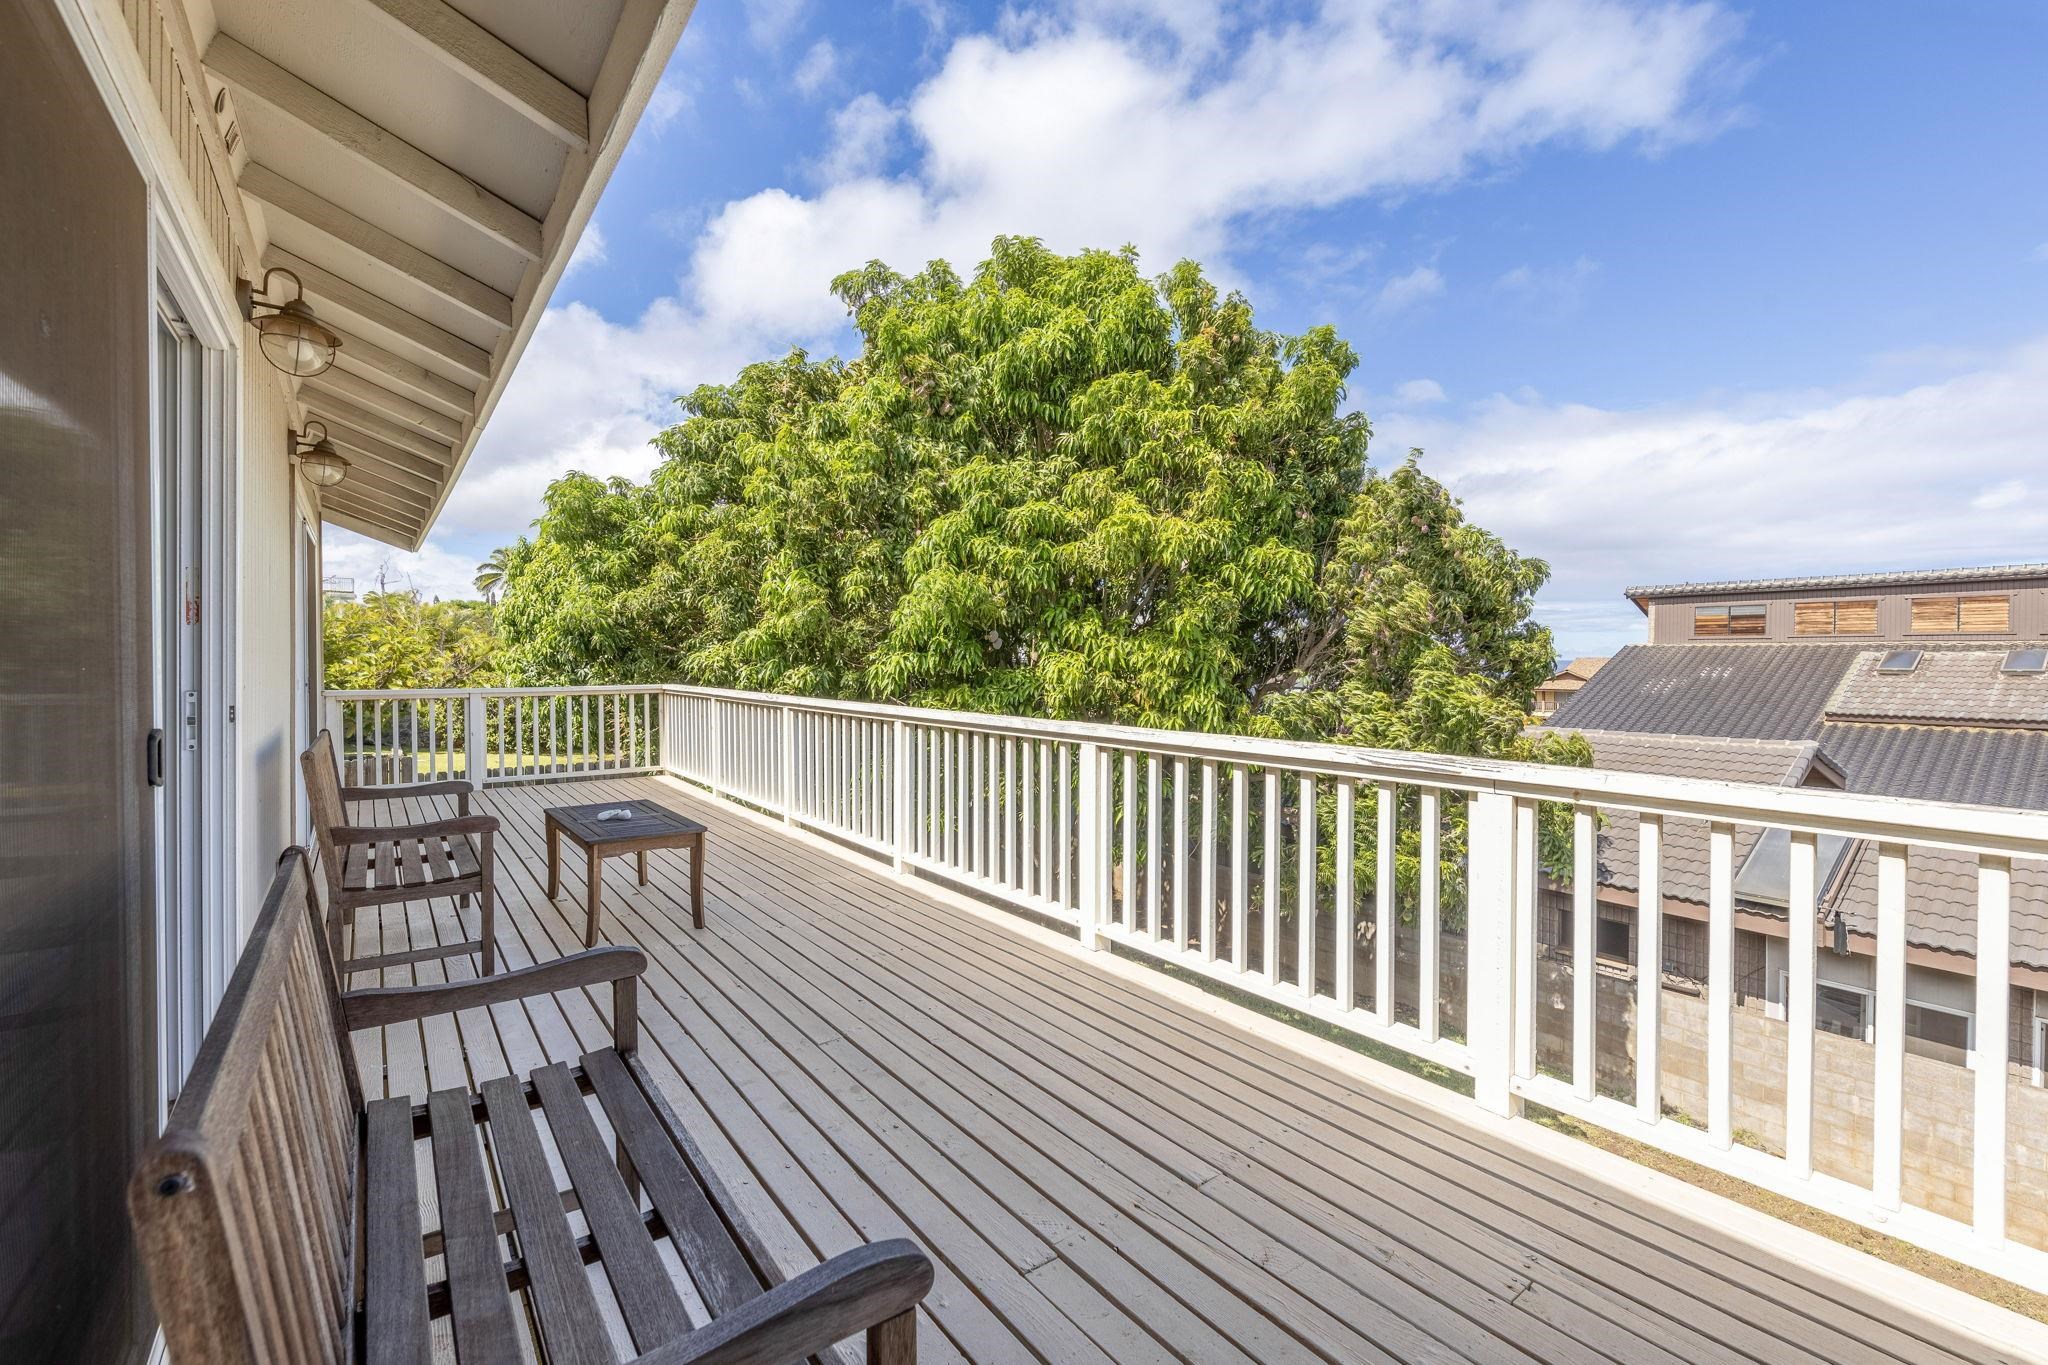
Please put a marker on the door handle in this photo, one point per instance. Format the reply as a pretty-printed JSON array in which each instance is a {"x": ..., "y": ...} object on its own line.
[{"x": 154, "y": 758}]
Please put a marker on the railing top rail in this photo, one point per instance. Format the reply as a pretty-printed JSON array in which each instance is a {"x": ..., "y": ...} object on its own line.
[
  {"x": 1970, "y": 829},
  {"x": 457, "y": 693},
  {"x": 1989, "y": 829}
]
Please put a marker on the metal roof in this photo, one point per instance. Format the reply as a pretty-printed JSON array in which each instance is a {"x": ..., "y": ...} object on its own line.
[
  {"x": 1891, "y": 579},
  {"x": 1730, "y": 691}
]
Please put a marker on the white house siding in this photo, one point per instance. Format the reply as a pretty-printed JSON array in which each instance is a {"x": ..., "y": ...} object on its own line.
[{"x": 265, "y": 737}]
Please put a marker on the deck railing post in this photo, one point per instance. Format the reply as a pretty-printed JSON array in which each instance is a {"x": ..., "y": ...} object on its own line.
[
  {"x": 476, "y": 745},
  {"x": 1091, "y": 828},
  {"x": 899, "y": 790},
  {"x": 1490, "y": 911}
]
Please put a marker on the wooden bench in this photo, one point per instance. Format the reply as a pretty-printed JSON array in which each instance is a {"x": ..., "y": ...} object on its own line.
[
  {"x": 373, "y": 865},
  {"x": 280, "y": 1217}
]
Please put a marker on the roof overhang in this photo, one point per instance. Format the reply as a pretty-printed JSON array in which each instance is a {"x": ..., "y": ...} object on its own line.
[{"x": 426, "y": 169}]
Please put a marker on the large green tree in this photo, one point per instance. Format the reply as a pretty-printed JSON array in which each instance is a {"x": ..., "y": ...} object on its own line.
[
  {"x": 394, "y": 640},
  {"x": 1062, "y": 489}
]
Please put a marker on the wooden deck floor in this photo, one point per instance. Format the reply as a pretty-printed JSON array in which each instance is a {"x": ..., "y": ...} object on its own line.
[{"x": 1101, "y": 1172}]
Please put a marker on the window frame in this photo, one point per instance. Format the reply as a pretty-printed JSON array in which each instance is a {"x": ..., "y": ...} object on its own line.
[
  {"x": 1759, "y": 611},
  {"x": 1956, "y": 602}
]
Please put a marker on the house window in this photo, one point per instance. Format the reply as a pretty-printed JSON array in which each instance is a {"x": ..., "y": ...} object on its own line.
[
  {"x": 1962, "y": 615},
  {"x": 1724, "y": 619},
  {"x": 1611, "y": 941},
  {"x": 1685, "y": 949},
  {"x": 1835, "y": 618},
  {"x": 1943, "y": 1034},
  {"x": 1842, "y": 1010}
]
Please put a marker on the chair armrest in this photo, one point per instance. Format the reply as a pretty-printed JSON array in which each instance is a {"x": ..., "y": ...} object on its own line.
[
  {"x": 377, "y": 834},
  {"x": 441, "y": 787},
  {"x": 800, "y": 1317},
  {"x": 383, "y": 1005}
]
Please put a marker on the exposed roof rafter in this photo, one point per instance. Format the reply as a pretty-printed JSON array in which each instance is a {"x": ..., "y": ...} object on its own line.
[
  {"x": 338, "y": 225},
  {"x": 256, "y": 77},
  {"x": 493, "y": 66}
]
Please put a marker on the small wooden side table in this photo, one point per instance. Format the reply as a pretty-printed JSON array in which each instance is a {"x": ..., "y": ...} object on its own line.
[{"x": 649, "y": 827}]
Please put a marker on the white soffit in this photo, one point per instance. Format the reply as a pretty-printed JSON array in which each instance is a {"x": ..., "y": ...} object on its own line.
[{"x": 425, "y": 166}]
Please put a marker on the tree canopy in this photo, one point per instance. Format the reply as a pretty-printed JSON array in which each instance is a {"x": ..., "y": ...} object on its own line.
[
  {"x": 1059, "y": 488},
  {"x": 394, "y": 640}
]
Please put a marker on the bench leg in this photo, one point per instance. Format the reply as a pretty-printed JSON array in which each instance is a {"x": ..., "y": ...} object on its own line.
[
  {"x": 894, "y": 1342},
  {"x": 697, "y": 881},
  {"x": 489, "y": 929},
  {"x": 554, "y": 862}
]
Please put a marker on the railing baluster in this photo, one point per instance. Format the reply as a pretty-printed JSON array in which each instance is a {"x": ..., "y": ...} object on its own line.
[
  {"x": 1269, "y": 915},
  {"x": 1720, "y": 984},
  {"x": 1887, "y": 1132},
  {"x": 1584, "y": 941},
  {"x": 1240, "y": 866},
  {"x": 1205, "y": 897},
  {"x": 1429, "y": 910},
  {"x": 1305, "y": 890},
  {"x": 1994, "y": 1004},
  {"x": 1344, "y": 930},
  {"x": 1650, "y": 967},
  {"x": 1031, "y": 873},
  {"x": 1152, "y": 907},
  {"x": 1385, "y": 933},
  {"x": 1066, "y": 827},
  {"x": 1523, "y": 950},
  {"x": 1800, "y": 986},
  {"x": 1130, "y": 814},
  {"x": 1177, "y": 818}
]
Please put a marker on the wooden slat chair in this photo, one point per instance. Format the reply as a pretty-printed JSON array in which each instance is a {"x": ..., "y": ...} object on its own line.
[
  {"x": 279, "y": 1216},
  {"x": 373, "y": 865}
]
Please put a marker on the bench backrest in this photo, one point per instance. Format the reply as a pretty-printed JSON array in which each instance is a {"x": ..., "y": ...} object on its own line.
[
  {"x": 244, "y": 1209},
  {"x": 323, "y": 791}
]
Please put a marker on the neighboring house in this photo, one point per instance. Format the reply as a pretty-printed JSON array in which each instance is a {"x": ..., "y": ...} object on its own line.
[
  {"x": 1999, "y": 601},
  {"x": 1566, "y": 681},
  {"x": 1943, "y": 697}
]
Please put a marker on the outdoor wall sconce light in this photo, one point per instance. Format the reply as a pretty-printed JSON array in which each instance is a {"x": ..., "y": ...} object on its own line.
[
  {"x": 320, "y": 463},
  {"x": 292, "y": 338}
]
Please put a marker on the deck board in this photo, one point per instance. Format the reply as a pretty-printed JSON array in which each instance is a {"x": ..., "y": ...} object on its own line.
[{"x": 1099, "y": 1171}]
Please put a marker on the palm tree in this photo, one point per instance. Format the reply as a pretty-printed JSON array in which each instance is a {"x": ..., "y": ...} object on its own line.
[{"x": 490, "y": 575}]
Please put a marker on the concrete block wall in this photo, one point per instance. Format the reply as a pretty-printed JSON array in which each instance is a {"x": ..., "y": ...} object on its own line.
[{"x": 1940, "y": 1096}]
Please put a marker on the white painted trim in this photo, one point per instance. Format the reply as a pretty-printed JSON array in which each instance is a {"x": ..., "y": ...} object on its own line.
[{"x": 1997, "y": 1328}]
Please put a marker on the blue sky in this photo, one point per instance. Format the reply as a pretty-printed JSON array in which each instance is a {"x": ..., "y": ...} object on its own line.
[{"x": 1664, "y": 290}]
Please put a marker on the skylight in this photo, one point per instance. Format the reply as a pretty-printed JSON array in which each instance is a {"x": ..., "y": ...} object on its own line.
[
  {"x": 1899, "y": 661},
  {"x": 2025, "y": 661}
]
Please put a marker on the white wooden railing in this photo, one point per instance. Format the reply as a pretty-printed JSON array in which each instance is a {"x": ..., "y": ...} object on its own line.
[
  {"x": 1194, "y": 850},
  {"x": 494, "y": 735}
]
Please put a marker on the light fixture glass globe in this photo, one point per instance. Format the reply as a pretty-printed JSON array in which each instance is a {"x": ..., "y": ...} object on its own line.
[
  {"x": 295, "y": 342},
  {"x": 323, "y": 466}
]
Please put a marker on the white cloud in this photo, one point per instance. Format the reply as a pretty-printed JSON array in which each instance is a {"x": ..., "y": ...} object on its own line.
[
  {"x": 1110, "y": 121},
  {"x": 590, "y": 249},
  {"x": 863, "y": 133},
  {"x": 2008, "y": 494},
  {"x": 1085, "y": 131},
  {"x": 817, "y": 69},
  {"x": 1404, "y": 291},
  {"x": 672, "y": 96},
  {"x": 1554, "y": 288},
  {"x": 1902, "y": 476},
  {"x": 770, "y": 23},
  {"x": 433, "y": 572},
  {"x": 1419, "y": 392}
]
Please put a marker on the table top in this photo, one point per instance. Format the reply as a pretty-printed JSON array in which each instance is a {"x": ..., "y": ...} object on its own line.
[{"x": 649, "y": 821}]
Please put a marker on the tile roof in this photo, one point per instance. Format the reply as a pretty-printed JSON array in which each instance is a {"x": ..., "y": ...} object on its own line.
[
  {"x": 1941, "y": 887},
  {"x": 1942, "y": 763},
  {"x": 1957, "y": 686},
  {"x": 1741, "y": 691},
  {"x": 1897, "y": 578}
]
